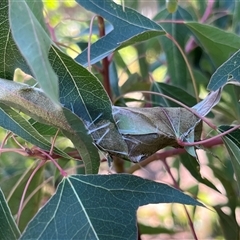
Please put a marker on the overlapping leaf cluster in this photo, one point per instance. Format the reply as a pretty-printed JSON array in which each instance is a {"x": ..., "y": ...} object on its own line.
[{"x": 70, "y": 98}]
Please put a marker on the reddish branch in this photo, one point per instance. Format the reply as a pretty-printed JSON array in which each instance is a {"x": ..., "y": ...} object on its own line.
[
  {"x": 171, "y": 152},
  {"x": 44, "y": 155},
  {"x": 105, "y": 61}
]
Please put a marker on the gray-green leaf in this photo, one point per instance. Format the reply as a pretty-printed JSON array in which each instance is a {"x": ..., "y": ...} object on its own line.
[
  {"x": 232, "y": 142},
  {"x": 34, "y": 44},
  {"x": 227, "y": 72},
  {"x": 34, "y": 102},
  {"x": 8, "y": 227},
  {"x": 83, "y": 207},
  {"x": 129, "y": 27}
]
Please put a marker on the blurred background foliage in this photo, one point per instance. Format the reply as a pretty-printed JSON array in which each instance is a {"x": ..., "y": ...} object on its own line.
[{"x": 156, "y": 65}]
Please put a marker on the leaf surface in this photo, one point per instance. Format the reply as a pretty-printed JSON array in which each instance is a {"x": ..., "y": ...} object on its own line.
[
  {"x": 145, "y": 229},
  {"x": 193, "y": 167},
  {"x": 80, "y": 91},
  {"x": 33, "y": 102},
  {"x": 172, "y": 91},
  {"x": 227, "y": 72},
  {"x": 83, "y": 94},
  {"x": 43, "y": 129},
  {"x": 17, "y": 182},
  {"x": 218, "y": 43},
  {"x": 89, "y": 212},
  {"x": 14, "y": 122},
  {"x": 10, "y": 56},
  {"x": 83, "y": 142},
  {"x": 34, "y": 44},
  {"x": 206, "y": 105},
  {"x": 232, "y": 143},
  {"x": 228, "y": 224},
  {"x": 129, "y": 27},
  {"x": 8, "y": 227},
  {"x": 176, "y": 65}
]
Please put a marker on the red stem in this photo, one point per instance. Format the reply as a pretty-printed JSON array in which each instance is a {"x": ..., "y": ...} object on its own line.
[
  {"x": 63, "y": 173},
  {"x": 25, "y": 189},
  {"x": 5, "y": 140},
  {"x": 169, "y": 153},
  {"x": 205, "y": 141},
  {"x": 105, "y": 61}
]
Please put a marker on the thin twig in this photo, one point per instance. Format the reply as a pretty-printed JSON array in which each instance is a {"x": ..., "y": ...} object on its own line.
[
  {"x": 42, "y": 184},
  {"x": 18, "y": 182},
  {"x": 8, "y": 135},
  {"x": 53, "y": 142},
  {"x": 35, "y": 191},
  {"x": 18, "y": 143},
  {"x": 181, "y": 143},
  {"x": 187, "y": 63},
  {"x": 183, "y": 105},
  {"x": 63, "y": 173},
  {"x": 175, "y": 184},
  {"x": 169, "y": 153},
  {"x": 25, "y": 189},
  {"x": 16, "y": 150}
]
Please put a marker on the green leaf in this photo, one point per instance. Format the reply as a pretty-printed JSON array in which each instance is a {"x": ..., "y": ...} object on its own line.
[
  {"x": 113, "y": 77},
  {"x": 80, "y": 91},
  {"x": 134, "y": 83},
  {"x": 228, "y": 224},
  {"x": 83, "y": 142},
  {"x": 118, "y": 59},
  {"x": 192, "y": 165},
  {"x": 232, "y": 143},
  {"x": 142, "y": 61},
  {"x": 83, "y": 207},
  {"x": 8, "y": 227},
  {"x": 176, "y": 93},
  {"x": 144, "y": 229},
  {"x": 13, "y": 121},
  {"x": 236, "y": 17},
  {"x": 10, "y": 56},
  {"x": 227, "y": 72},
  {"x": 176, "y": 65},
  {"x": 88, "y": 100},
  {"x": 18, "y": 183},
  {"x": 133, "y": 27},
  {"x": 228, "y": 182},
  {"x": 43, "y": 129},
  {"x": 33, "y": 102},
  {"x": 219, "y": 44},
  {"x": 36, "y": 8},
  {"x": 34, "y": 44}
]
